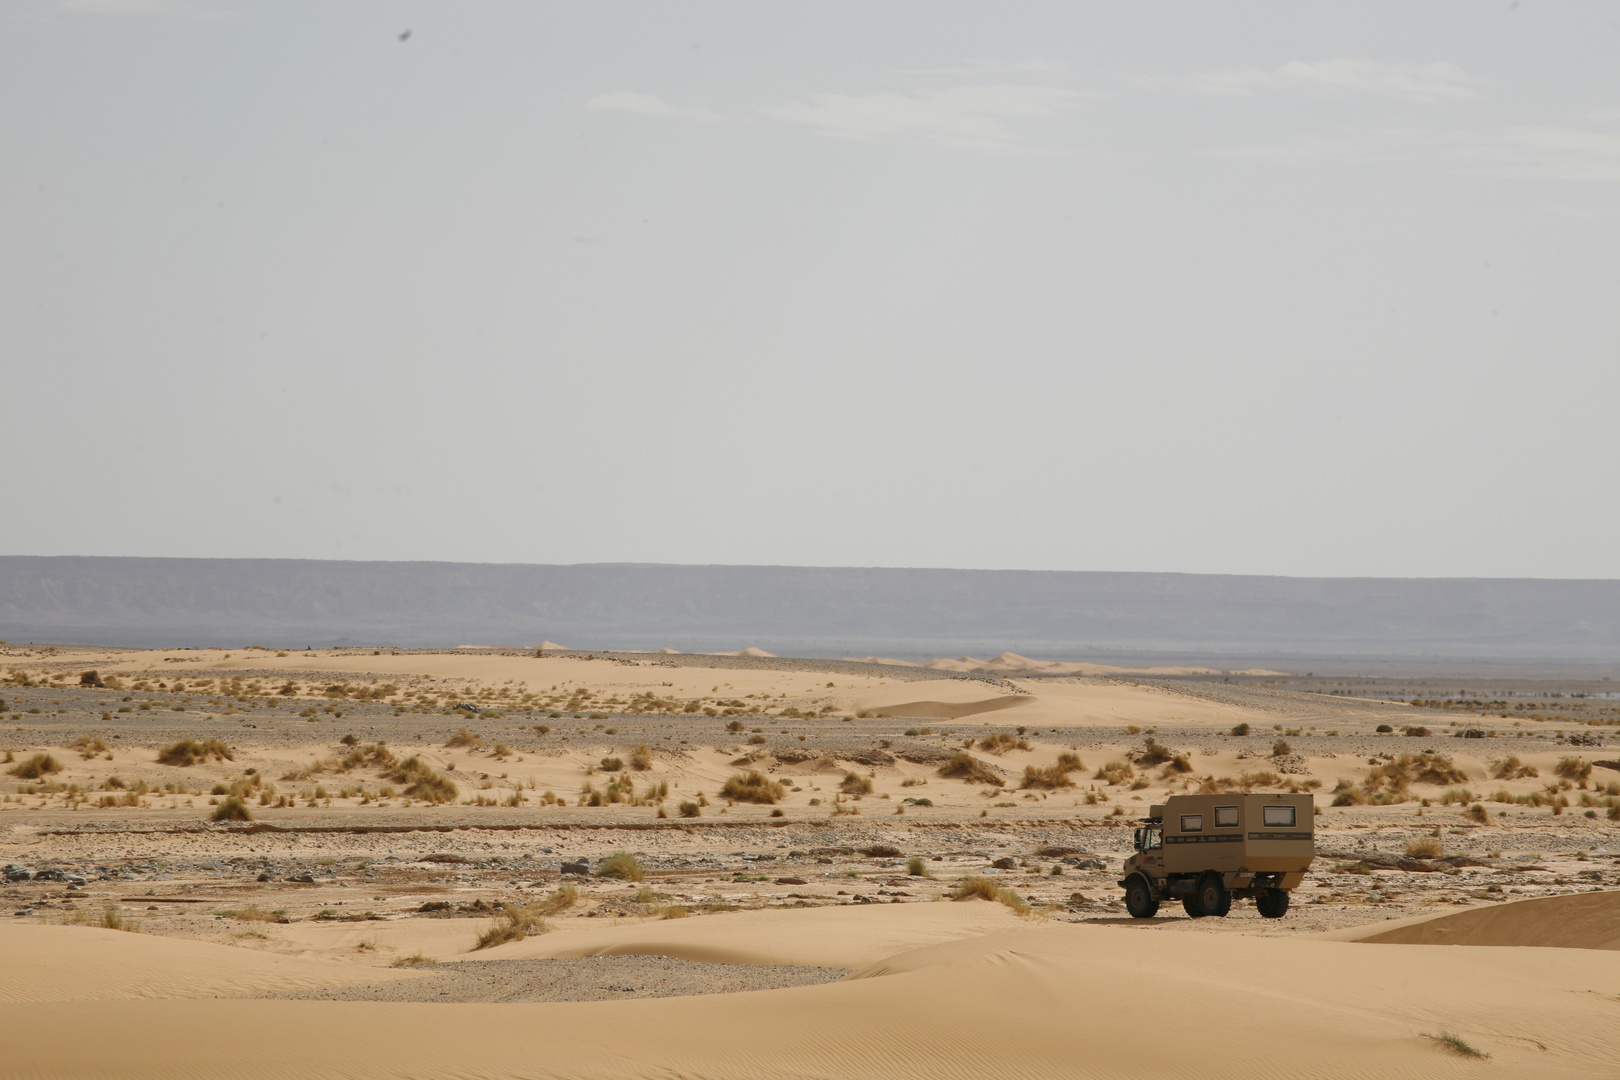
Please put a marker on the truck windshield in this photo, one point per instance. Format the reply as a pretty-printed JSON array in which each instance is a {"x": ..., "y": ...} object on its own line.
[{"x": 1152, "y": 839}]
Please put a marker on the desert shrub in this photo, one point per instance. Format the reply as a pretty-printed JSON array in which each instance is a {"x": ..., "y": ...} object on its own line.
[
  {"x": 977, "y": 887},
  {"x": 189, "y": 752},
  {"x": 35, "y": 767},
  {"x": 1001, "y": 742},
  {"x": 1241, "y": 729},
  {"x": 969, "y": 769},
  {"x": 1280, "y": 747},
  {"x": 752, "y": 786},
  {"x": 1573, "y": 768},
  {"x": 855, "y": 784},
  {"x": 916, "y": 866},
  {"x": 91, "y": 678},
  {"x": 232, "y": 809},
  {"x": 612, "y": 764},
  {"x": 1177, "y": 764},
  {"x": 513, "y": 924},
  {"x": 1425, "y": 847},
  {"x": 421, "y": 782},
  {"x": 756, "y": 740},
  {"x": 1154, "y": 753},
  {"x": 1511, "y": 768},
  {"x": 621, "y": 865},
  {"x": 87, "y": 746},
  {"x": 641, "y": 758},
  {"x": 1459, "y": 795},
  {"x": 1115, "y": 772},
  {"x": 1384, "y": 729},
  {"x": 1478, "y": 813},
  {"x": 690, "y": 809},
  {"x": 1416, "y": 732},
  {"x": 463, "y": 739}
]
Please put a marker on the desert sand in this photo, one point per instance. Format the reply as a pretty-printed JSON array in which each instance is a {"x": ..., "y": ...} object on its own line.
[{"x": 1463, "y": 886}]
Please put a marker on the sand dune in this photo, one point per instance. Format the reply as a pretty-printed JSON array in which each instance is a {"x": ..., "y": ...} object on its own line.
[
  {"x": 1039, "y": 1001},
  {"x": 843, "y": 937},
  {"x": 951, "y": 710},
  {"x": 78, "y": 963},
  {"x": 1578, "y": 921}
]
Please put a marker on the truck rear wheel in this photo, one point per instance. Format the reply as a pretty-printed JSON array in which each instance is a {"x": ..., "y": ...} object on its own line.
[
  {"x": 1212, "y": 897},
  {"x": 1273, "y": 903},
  {"x": 1139, "y": 900}
]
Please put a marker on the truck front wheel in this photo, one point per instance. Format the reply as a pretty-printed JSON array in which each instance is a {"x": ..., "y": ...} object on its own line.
[
  {"x": 1139, "y": 900},
  {"x": 1273, "y": 903}
]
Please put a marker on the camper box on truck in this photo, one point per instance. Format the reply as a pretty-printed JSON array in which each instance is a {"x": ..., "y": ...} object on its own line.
[{"x": 1207, "y": 850}]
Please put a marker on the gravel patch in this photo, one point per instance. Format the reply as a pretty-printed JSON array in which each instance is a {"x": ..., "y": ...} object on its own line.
[{"x": 591, "y": 978}]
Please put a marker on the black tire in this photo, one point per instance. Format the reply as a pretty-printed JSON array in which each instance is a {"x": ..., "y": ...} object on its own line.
[
  {"x": 1212, "y": 897},
  {"x": 1273, "y": 903},
  {"x": 1192, "y": 907},
  {"x": 1139, "y": 900}
]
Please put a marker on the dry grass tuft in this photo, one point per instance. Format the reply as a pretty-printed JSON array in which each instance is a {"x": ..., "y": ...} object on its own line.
[
  {"x": 1425, "y": 847},
  {"x": 232, "y": 809},
  {"x": 1050, "y": 777},
  {"x": 87, "y": 746},
  {"x": 188, "y": 752},
  {"x": 621, "y": 865},
  {"x": 855, "y": 784},
  {"x": 1456, "y": 1045},
  {"x": 641, "y": 758},
  {"x": 463, "y": 739},
  {"x": 35, "y": 767},
  {"x": 512, "y": 924},
  {"x": 414, "y": 960},
  {"x": 969, "y": 769},
  {"x": 1001, "y": 742},
  {"x": 421, "y": 782},
  {"x": 564, "y": 897},
  {"x": 1511, "y": 768},
  {"x": 751, "y": 786},
  {"x": 1573, "y": 768},
  {"x": 1115, "y": 772},
  {"x": 977, "y": 887},
  {"x": 916, "y": 866},
  {"x": 691, "y": 809}
]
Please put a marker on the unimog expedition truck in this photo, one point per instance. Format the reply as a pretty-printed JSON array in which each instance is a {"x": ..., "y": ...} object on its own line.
[{"x": 1206, "y": 850}]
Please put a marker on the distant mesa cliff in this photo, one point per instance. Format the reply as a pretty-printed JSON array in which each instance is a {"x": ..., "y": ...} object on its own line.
[{"x": 798, "y": 610}]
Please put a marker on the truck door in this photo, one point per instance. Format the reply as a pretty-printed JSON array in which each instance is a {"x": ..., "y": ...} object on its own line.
[{"x": 1150, "y": 844}]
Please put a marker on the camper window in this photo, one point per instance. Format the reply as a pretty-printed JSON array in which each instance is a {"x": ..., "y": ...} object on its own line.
[{"x": 1278, "y": 817}]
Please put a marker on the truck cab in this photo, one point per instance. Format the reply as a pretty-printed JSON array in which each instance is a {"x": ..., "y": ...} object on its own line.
[{"x": 1208, "y": 850}]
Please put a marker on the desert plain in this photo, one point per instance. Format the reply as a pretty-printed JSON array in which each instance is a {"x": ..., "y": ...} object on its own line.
[{"x": 536, "y": 863}]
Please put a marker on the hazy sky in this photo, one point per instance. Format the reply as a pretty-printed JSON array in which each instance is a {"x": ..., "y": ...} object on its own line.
[{"x": 1250, "y": 288}]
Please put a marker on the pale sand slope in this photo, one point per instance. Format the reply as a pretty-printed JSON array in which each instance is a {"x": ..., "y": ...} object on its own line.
[
  {"x": 1579, "y": 921},
  {"x": 1046, "y": 702},
  {"x": 1041, "y": 1001},
  {"x": 841, "y": 937},
  {"x": 1042, "y": 702},
  {"x": 79, "y": 963}
]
